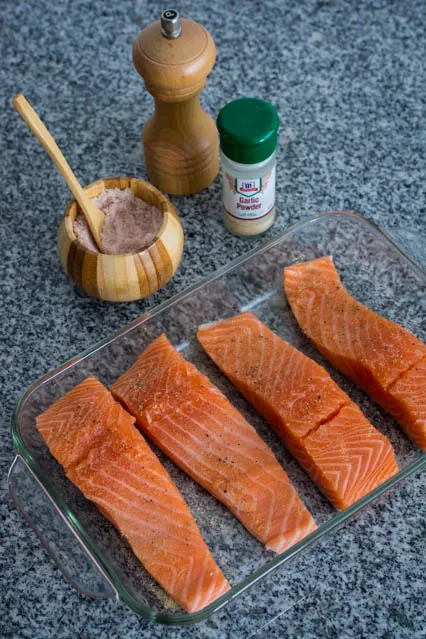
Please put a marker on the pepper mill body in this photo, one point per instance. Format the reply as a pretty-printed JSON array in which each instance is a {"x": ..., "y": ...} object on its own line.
[{"x": 180, "y": 140}]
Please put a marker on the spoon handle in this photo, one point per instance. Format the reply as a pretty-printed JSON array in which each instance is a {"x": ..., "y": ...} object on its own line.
[{"x": 94, "y": 216}]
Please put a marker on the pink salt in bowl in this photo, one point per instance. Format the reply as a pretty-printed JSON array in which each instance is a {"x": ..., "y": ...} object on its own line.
[{"x": 129, "y": 276}]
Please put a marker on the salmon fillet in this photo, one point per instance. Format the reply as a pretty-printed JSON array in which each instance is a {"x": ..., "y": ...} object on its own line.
[
  {"x": 193, "y": 422},
  {"x": 383, "y": 358},
  {"x": 326, "y": 432},
  {"x": 107, "y": 458}
]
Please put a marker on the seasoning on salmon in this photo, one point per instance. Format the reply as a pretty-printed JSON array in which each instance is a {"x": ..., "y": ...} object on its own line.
[
  {"x": 107, "y": 458},
  {"x": 326, "y": 432},
  {"x": 383, "y": 358},
  {"x": 193, "y": 422}
]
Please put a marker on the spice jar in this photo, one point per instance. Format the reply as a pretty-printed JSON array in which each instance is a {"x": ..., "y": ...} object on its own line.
[{"x": 248, "y": 129}]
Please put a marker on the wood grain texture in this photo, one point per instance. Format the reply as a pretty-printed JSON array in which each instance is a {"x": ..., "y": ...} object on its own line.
[
  {"x": 123, "y": 278},
  {"x": 180, "y": 140}
]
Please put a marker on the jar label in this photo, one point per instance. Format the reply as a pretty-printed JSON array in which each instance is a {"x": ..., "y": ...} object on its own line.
[{"x": 249, "y": 198}]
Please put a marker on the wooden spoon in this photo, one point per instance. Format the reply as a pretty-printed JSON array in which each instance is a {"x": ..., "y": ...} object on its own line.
[{"x": 94, "y": 216}]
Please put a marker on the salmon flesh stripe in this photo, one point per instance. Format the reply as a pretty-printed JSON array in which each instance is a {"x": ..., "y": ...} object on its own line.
[
  {"x": 108, "y": 459},
  {"x": 326, "y": 432},
  {"x": 383, "y": 358},
  {"x": 186, "y": 416}
]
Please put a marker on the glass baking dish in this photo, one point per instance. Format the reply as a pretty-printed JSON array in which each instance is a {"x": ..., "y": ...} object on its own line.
[{"x": 91, "y": 553}]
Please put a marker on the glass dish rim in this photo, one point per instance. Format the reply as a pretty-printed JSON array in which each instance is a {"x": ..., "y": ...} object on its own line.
[{"x": 332, "y": 524}]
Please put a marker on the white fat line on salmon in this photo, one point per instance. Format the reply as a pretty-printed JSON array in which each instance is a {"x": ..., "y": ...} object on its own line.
[
  {"x": 140, "y": 498},
  {"x": 200, "y": 478},
  {"x": 102, "y": 500},
  {"x": 272, "y": 505}
]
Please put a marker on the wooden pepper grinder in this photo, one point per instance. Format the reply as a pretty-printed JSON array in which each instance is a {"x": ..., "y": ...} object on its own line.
[{"x": 174, "y": 57}]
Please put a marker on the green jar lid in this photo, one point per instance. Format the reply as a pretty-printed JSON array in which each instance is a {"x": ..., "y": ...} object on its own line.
[{"x": 248, "y": 130}]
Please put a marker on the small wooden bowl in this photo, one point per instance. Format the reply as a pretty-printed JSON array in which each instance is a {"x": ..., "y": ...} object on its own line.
[{"x": 128, "y": 277}]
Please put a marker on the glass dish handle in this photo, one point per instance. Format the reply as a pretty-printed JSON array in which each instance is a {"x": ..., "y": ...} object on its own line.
[{"x": 77, "y": 564}]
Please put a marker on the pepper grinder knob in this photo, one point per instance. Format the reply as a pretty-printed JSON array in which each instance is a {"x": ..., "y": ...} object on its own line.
[
  {"x": 174, "y": 56},
  {"x": 170, "y": 24}
]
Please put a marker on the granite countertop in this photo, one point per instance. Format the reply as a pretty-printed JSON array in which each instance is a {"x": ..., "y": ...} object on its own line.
[{"x": 346, "y": 78}]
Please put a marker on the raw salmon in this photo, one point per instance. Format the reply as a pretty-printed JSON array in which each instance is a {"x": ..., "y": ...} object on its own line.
[
  {"x": 107, "y": 458},
  {"x": 326, "y": 432},
  {"x": 384, "y": 359},
  {"x": 193, "y": 422}
]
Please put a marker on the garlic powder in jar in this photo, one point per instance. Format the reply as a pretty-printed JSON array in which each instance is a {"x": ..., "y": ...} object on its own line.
[{"x": 248, "y": 129}]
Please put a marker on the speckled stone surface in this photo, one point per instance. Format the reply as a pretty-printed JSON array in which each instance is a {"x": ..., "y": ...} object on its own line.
[{"x": 347, "y": 79}]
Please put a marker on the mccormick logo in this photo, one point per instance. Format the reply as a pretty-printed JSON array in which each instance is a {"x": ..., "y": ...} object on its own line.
[{"x": 248, "y": 188}]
